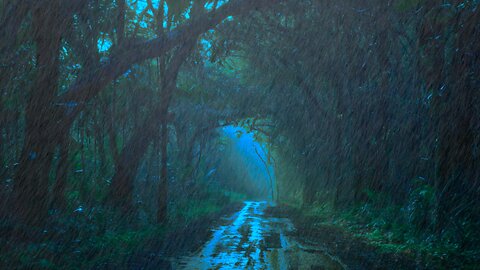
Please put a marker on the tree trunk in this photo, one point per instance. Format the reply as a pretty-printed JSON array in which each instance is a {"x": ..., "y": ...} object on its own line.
[
  {"x": 120, "y": 21},
  {"x": 163, "y": 185},
  {"x": 169, "y": 84},
  {"x": 309, "y": 191},
  {"x": 12, "y": 17},
  {"x": 309, "y": 187},
  {"x": 31, "y": 179},
  {"x": 121, "y": 189},
  {"x": 58, "y": 201}
]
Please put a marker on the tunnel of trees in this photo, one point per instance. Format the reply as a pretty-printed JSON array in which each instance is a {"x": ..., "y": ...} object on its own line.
[{"x": 113, "y": 118}]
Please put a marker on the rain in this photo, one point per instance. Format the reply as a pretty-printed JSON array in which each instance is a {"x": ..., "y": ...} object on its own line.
[{"x": 239, "y": 134}]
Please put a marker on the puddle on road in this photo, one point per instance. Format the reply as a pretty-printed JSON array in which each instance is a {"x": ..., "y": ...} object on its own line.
[{"x": 253, "y": 241}]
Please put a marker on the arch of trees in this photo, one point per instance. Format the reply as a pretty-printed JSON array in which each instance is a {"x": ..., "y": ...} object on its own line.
[
  {"x": 380, "y": 107},
  {"x": 69, "y": 32},
  {"x": 377, "y": 103},
  {"x": 363, "y": 99}
]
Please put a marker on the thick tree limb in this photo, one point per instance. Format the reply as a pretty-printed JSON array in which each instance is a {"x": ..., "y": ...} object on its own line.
[{"x": 93, "y": 81}]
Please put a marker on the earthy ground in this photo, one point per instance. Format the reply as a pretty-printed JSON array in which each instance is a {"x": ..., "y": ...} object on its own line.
[
  {"x": 353, "y": 252},
  {"x": 252, "y": 239},
  {"x": 260, "y": 236}
]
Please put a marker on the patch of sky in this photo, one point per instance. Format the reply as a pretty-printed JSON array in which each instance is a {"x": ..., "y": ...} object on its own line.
[
  {"x": 207, "y": 45},
  {"x": 104, "y": 44},
  {"x": 65, "y": 50},
  {"x": 210, "y": 5},
  {"x": 127, "y": 73},
  {"x": 165, "y": 14},
  {"x": 138, "y": 5}
]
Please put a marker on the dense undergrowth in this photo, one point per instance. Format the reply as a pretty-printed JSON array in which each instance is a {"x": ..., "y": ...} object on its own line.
[
  {"x": 409, "y": 229},
  {"x": 99, "y": 239}
]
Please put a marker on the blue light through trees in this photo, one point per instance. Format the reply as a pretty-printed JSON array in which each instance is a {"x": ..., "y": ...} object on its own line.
[{"x": 254, "y": 157}]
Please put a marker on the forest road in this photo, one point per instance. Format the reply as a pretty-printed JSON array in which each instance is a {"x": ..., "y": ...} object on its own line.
[{"x": 252, "y": 239}]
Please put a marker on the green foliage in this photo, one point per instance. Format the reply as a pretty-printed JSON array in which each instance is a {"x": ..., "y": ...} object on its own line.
[
  {"x": 111, "y": 248},
  {"x": 99, "y": 238},
  {"x": 347, "y": 107},
  {"x": 396, "y": 229},
  {"x": 421, "y": 205},
  {"x": 192, "y": 209},
  {"x": 406, "y": 5}
]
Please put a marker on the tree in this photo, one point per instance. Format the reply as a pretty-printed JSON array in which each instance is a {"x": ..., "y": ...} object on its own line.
[{"x": 44, "y": 116}]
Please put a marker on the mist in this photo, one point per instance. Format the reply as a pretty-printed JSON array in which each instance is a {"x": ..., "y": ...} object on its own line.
[{"x": 239, "y": 134}]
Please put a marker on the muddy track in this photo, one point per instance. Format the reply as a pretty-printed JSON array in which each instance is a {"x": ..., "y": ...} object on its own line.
[
  {"x": 354, "y": 253},
  {"x": 250, "y": 239}
]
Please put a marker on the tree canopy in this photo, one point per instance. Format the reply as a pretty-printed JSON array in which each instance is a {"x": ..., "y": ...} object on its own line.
[{"x": 119, "y": 109}]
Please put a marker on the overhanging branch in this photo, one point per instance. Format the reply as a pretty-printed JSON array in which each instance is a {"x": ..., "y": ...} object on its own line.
[{"x": 88, "y": 85}]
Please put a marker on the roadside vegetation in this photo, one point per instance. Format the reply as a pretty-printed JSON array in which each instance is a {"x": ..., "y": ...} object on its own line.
[{"x": 113, "y": 117}]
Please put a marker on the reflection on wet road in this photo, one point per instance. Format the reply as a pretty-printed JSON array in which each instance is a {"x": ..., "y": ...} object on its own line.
[{"x": 252, "y": 240}]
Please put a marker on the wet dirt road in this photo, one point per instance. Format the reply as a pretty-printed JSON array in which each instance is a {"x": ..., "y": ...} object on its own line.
[{"x": 252, "y": 240}]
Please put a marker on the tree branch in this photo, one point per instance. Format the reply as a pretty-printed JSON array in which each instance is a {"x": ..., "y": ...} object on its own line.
[{"x": 93, "y": 81}]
